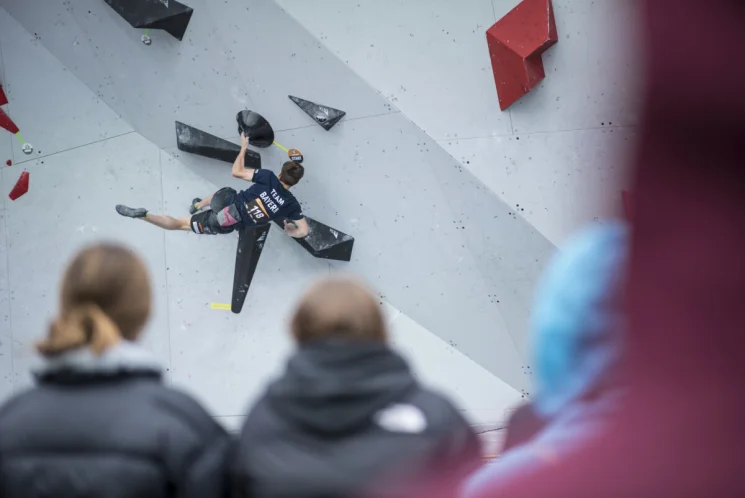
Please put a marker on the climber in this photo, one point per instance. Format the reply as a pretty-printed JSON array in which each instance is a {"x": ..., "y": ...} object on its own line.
[{"x": 268, "y": 199}]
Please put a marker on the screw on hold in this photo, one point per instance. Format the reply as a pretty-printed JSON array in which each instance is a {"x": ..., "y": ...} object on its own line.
[
  {"x": 146, "y": 40},
  {"x": 27, "y": 148}
]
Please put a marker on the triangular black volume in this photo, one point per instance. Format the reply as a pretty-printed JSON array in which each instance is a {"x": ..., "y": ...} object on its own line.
[
  {"x": 170, "y": 16},
  {"x": 325, "y": 116},
  {"x": 325, "y": 242},
  {"x": 174, "y": 25},
  {"x": 256, "y": 128},
  {"x": 250, "y": 245},
  {"x": 196, "y": 141}
]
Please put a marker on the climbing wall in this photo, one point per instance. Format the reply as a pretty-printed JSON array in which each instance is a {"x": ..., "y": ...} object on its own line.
[{"x": 454, "y": 263}]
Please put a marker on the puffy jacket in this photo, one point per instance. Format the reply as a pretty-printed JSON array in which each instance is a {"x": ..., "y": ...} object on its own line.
[
  {"x": 107, "y": 427},
  {"x": 347, "y": 419},
  {"x": 578, "y": 336}
]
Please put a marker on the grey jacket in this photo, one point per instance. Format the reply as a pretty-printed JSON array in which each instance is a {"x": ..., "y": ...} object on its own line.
[{"x": 107, "y": 427}]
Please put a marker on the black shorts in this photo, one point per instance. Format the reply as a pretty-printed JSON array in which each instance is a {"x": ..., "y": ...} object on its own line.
[{"x": 222, "y": 217}]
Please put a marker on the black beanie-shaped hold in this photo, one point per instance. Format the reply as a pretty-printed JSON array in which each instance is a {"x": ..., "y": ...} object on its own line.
[{"x": 256, "y": 128}]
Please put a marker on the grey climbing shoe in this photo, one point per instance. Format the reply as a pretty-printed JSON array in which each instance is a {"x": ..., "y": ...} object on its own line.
[{"x": 131, "y": 212}]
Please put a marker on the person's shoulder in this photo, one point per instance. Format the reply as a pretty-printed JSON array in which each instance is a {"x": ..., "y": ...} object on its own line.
[
  {"x": 266, "y": 174},
  {"x": 11, "y": 405},
  {"x": 441, "y": 413},
  {"x": 264, "y": 177},
  {"x": 185, "y": 411},
  {"x": 262, "y": 422}
]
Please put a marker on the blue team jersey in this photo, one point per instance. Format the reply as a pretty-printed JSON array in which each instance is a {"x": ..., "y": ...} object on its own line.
[{"x": 267, "y": 200}]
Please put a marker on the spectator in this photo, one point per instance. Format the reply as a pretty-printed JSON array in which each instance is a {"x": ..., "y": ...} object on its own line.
[
  {"x": 100, "y": 422},
  {"x": 578, "y": 324},
  {"x": 524, "y": 423},
  {"x": 347, "y": 418},
  {"x": 680, "y": 434}
]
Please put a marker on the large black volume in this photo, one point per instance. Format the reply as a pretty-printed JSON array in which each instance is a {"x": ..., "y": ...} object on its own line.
[
  {"x": 195, "y": 141},
  {"x": 325, "y": 242},
  {"x": 250, "y": 245},
  {"x": 168, "y": 15}
]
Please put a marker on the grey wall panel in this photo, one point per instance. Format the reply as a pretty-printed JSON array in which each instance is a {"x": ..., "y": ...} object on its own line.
[
  {"x": 50, "y": 95},
  {"x": 427, "y": 234},
  {"x": 509, "y": 253},
  {"x": 192, "y": 80},
  {"x": 70, "y": 204},
  {"x": 277, "y": 57},
  {"x": 6, "y": 337},
  {"x": 222, "y": 358},
  {"x": 380, "y": 179},
  {"x": 242, "y": 55}
]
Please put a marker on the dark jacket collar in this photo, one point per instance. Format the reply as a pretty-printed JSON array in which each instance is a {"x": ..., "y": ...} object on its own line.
[
  {"x": 126, "y": 359},
  {"x": 337, "y": 386}
]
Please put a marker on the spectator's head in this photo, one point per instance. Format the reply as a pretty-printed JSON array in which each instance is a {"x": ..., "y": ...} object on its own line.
[
  {"x": 338, "y": 308},
  {"x": 105, "y": 298},
  {"x": 578, "y": 318},
  {"x": 291, "y": 173}
]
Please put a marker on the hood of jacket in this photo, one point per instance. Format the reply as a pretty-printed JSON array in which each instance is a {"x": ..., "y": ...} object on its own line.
[
  {"x": 578, "y": 324},
  {"x": 124, "y": 359},
  {"x": 337, "y": 386}
]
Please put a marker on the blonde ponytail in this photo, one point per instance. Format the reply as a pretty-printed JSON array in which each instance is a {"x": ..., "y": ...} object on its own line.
[{"x": 85, "y": 325}]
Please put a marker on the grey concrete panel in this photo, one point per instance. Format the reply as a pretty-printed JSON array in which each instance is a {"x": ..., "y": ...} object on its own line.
[
  {"x": 593, "y": 74},
  {"x": 6, "y": 336},
  {"x": 53, "y": 109},
  {"x": 70, "y": 204},
  {"x": 193, "y": 81},
  {"x": 423, "y": 227},
  {"x": 380, "y": 179},
  {"x": 205, "y": 79},
  {"x": 222, "y": 358},
  {"x": 277, "y": 57},
  {"x": 429, "y": 59},
  {"x": 530, "y": 173},
  {"x": 508, "y": 251}
]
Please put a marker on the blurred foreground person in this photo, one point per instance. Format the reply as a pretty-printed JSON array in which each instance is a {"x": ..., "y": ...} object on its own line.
[
  {"x": 100, "y": 421},
  {"x": 577, "y": 335},
  {"x": 347, "y": 418},
  {"x": 680, "y": 433}
]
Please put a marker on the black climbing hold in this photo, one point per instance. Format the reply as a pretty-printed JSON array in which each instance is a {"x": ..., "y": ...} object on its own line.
[
  {"x": 325, "y": 242},
  {"x": 250, "y": 245},
  {"x": 170, "y": 16},
  {"x": 325, "y": 116},
  {"x": 256, "y": 128},
  {"x": 195, "y": 141}
]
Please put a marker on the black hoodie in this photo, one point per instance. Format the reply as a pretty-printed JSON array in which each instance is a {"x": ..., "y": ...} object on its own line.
[{"x": 348, "y": 419}]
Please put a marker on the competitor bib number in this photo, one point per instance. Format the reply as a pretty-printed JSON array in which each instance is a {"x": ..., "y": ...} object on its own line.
[{"x": 256, "y": 212}]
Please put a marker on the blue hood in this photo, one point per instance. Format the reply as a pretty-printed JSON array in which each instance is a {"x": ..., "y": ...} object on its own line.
[{"x": 577, "y": 323}]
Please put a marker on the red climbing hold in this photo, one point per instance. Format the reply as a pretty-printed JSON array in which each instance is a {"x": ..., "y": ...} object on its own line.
[
  {"x": 516, "y": 45},
  {"x": 21, "y": 187},
  {"x": 7, "y": 123},
  {"x": 9, "y": 163},
  {"x": 3, "y": 98}
]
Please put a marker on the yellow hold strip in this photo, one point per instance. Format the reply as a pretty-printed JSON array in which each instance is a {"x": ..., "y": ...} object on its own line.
[
  {"x": 220, "y": 306},
  {"x": 281, "y": 146}
]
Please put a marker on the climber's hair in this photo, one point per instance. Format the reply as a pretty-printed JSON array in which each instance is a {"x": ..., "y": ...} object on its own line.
[{"x": 105, "y": 297}]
